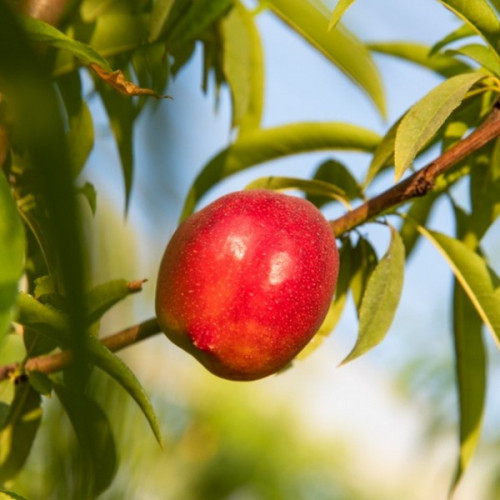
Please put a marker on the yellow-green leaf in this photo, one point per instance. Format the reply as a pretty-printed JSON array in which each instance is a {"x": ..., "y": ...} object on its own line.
[
  {"x": 338, "y": 12},
  {"x": 425, "y": 118},
  {"x": 381, "y": 298}
]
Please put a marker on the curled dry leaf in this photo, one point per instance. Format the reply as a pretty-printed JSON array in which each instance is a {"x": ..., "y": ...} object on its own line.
[{"x": 118, "y": 81}]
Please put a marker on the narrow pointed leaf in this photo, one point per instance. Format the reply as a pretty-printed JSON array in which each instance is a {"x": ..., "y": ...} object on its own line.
[
  {"x": 442, "y": 64},
  {"x": 18, "y": 430},
  {"x": 364, "y": 262},
  {"x": 269, "y": 144},
  {"x": 12, "y": 248},
  {"x": 95, "y": 438},
  {"x": 478, "y": 281},
  {"x": 10, "y": 495},
  {"x": 41, "y": 32},
  {"x": 480, "y": 16},
  {"x": 243, "y": 67},
  {"x": 425, "y": 118},
  {"x": 305, "y": 185},
  {"x": 336, "y": 173},
  {"x": 342, "y": 48},
  {"x": 470, "y": 367},
  {"x": 117, "y": 369},
  {"x": 381, "y": 298},
  {"x": 463, "y": 31},
  {"x": 338, "y": 12},
  {"x": 482, "y": 54}
]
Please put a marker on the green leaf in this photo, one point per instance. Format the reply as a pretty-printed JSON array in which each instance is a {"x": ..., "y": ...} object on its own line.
[
  {"x": 364, "y": 261},
  {"x": 482, "y": 55},
  {"x": 80, "y": 135},
  {"x": 93, "y": 431},
  {"x": 419, "y": 212},
  {"x": 381, "y": 298},
  {"x": 383, "y": 155},
  {"x": 19, "y": 430},
  {"x": 269, "y": 144},
  {"x": 308, "y": 186},
  {"x": 89, "y": 192},
  {"x": 442, "y": 64},
  {"x": 41, "y": 32},
  {"x": 243, "y": 67},
  {"x": 341, "y": 47},
  {"x": 10, "y": 495},
  {"x": 118, "y": 370},
  {"x": 43, "y": 319},
  {"x": 470, "y": 367},
  {"x": 196, "y": 20},
  {"x": 159, "y": 15},
  {"x": 103, "y": 297},
  {"x": 337, "y": 306},
  {"x": 480, "y": 17},
  {"x": 121, "y": 112},
  {"x": 471, "y": 271},
  {"x": 12, "y": 248},
  {"x": 425, "y": 118},
  {"x": 463, "y": 31},
  {"x": 484, "y": 187},
  {"x": 338, "y": 12},
  {"x": 336, "y": 173}
]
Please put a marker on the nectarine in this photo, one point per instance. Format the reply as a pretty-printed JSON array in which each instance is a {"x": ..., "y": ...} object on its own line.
[{"x": 247, "y": 281}]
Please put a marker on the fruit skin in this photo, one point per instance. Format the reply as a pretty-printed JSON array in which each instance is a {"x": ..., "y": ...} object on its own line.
[{"x": 247, "y": 281}]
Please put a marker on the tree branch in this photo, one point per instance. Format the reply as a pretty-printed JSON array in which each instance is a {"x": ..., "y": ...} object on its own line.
[
  {"x": 422, "y": 181},
  {"x": 416, "y": 185}
]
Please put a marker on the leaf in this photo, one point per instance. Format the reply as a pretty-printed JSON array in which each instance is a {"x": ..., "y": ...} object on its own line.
[
  {"x": 103, "y": 297},
  {"x": 338, "y": 12},
  {"x": 93, "y": 431},
  {"x": 19, "y": 430},
  {"x": 381, "y": 298},
  {"x": 159, "y": 15},
  {"x": 118, "y": 370},
  {"x": 471, "y": 271},
  {"x": 243, "y": 67},
  {"x": 463, "y": 31},
  {"x": 39, "y": 31},
  {"x": 268, "y": 144},
  {"x": 305, "y": 185},
  {"x": 122, "y": 113},
  {"x": 337, "y": 306},
  {"x": 482, "y": 55},
  {"x": 10, "y": 495},
  {"x": 383, "y": 155},
  {"x": 425, "y": 118},
  {"x": 12, "y": 248},
  {"x": 470, "y": 369},
  {"x": 341, "y": 47},
  {"x": 442, "y": 64},
  {"x": 364, "y": 261},
  {"x": 43, "y": 319},
  {"x": 196, "y": 20},
  {"x": 484, "y": 187},
  {"x": 480, "y": 17},
  {"x": 89, "y": 192},
  {"x": 419, "y": 212},
  {"x": 336, "y": 173},
  {"x": 80, "y": 135},
  {"x": 116, "y": 79}
]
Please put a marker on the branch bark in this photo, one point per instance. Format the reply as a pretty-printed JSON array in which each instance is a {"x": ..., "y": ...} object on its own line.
[{"x": 416, "y": 185}]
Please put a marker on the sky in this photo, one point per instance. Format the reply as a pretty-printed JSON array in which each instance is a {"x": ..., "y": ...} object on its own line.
[{"x": 359, "y": 399}]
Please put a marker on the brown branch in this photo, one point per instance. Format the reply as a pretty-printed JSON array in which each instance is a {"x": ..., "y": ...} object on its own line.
[
  {"x": 422, "y": 181},
  {"x": 416, "y": 185}
]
